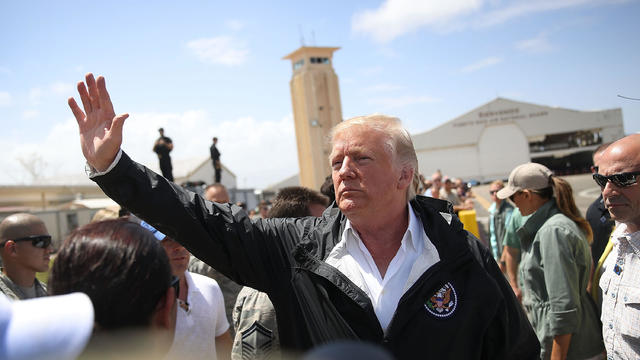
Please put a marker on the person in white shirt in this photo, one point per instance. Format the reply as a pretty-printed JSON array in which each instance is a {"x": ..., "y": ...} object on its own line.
[
  {"x": 202, "y": 329},
  {"x": 618, "y": 172}
]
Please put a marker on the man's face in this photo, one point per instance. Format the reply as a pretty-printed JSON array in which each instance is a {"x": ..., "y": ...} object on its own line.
[
  {"x": 31, "y": 257},
  {"x": 623, "y": 202},
  {"x": 178, "y": 256},
  {"x": 493, "y": 190},
  {"x": 264, "y": 211},
  {"x": 363, "y": 172},
  {"x": 217, "y": 194},
  {"x": 448, "y": 185},
  {"x": 436, "y": 181}
]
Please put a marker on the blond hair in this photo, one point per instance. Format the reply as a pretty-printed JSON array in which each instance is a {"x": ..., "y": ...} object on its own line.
[{"x": 398, "y": 142}]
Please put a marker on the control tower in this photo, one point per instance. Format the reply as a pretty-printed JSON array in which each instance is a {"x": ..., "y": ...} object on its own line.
[{"x": 315, "y": 96}]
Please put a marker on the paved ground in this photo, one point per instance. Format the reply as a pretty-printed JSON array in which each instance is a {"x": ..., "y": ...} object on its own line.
[{"x": 584, "y": 192}]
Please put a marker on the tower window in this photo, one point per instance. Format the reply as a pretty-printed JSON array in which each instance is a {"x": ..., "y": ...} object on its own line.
[
  {"x": 298, "y": 64},
  {"x": 319, "y": 60}
]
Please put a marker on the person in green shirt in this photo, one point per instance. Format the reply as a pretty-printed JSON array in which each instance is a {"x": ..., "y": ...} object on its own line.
[
  {"x": 555, "y": 264},
  {"x": 511, "y": 250}
]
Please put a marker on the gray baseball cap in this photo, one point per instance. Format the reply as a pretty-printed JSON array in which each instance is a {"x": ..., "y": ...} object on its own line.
[{"x": 532, "y": 176}]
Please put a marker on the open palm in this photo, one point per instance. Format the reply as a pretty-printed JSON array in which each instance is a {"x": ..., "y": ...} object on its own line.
[{"x": 100, "y": 128}]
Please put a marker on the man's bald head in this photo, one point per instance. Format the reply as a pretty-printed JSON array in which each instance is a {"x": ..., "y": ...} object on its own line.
[
  {"x": 21, "y": 225},
  {"x": 622, "y": 201},
  {"x": 216, "y": 192},
  {"x": 22, "y": 259},
  {"x": 597, "y": 155},
  {"x": 625, "y": 150}
]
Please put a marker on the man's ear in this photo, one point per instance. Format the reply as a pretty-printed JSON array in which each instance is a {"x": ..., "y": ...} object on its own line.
[
  {"x": 406, "y": 177},
  {"x": 164, "y": 316},
  {"x": 9, "y": 247}
]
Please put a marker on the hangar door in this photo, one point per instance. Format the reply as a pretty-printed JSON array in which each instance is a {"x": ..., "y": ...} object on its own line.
[{"x": 500, "y": 149}]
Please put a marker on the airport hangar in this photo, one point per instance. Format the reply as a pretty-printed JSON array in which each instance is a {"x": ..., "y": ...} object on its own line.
[{"x": 488, "y": 142}]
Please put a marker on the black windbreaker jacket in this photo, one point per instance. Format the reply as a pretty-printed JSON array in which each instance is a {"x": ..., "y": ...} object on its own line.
[{"x": 460, "y": 308}]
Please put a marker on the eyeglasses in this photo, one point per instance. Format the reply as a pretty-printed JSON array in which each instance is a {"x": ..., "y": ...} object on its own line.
[
  {"x": 620, "y": 180},
  {"x": 39, "y": 241},
  {"x": 493, "y": 192}
]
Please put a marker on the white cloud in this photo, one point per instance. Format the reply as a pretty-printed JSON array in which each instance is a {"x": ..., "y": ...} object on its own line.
[
  {"x": 398, "y": 17},
  {"x": 234, "y": 24},
  {"x": 5, "y": 99},
  {"x": 516, "y": 9},
  {"x": 58, "y": 154},
  {"x": 244, "y": 142},
  {"x": 54, "y": 91},
  {"x": 30, "y": 114},
  {"x": 490, "y": 61},
  {"x": 401, "y": 101},
  {"x": 223, "y": 50},
  {"x": 537, "y": 44}
]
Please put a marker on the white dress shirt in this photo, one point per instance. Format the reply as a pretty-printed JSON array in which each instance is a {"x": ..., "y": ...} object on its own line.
[
  {"x": 620, "y": 285},
  {"x": 415, "y": 255}
]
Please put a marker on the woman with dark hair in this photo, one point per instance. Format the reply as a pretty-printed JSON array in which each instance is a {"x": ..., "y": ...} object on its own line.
[
  {"x": 126, "y": 274},
  {"x": 555, "y": 265}
]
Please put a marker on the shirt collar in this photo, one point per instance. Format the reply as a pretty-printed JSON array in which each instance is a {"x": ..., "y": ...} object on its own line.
[
  {"x": 632, "y": 238},
  {"x": 412, "y": 237},
  {"x": 528, "y": 231}
]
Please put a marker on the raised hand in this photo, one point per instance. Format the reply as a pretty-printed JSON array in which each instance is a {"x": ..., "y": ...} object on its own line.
[{"x": 100, "y": 128}]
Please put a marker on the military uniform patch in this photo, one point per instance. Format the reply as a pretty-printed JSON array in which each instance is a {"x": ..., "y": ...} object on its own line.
[
  {"x": 257, "y": 342},
  {"x": 443, "y": 303}
]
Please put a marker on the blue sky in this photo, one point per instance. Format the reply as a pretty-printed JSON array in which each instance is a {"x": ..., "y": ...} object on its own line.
[{"x": 205, "y": 68}]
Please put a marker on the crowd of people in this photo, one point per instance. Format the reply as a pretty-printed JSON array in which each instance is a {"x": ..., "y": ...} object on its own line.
[{"x": 365, "y": 267}]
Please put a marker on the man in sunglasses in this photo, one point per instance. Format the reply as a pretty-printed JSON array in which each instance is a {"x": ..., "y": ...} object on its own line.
[
  {"x": 617, "y": 176},
  {"x": 25, "y": 247}
]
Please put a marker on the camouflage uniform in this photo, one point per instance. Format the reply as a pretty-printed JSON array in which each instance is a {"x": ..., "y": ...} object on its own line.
[
  {"x": 254, "y": 320},
  {"x": 13, "y": 292}
]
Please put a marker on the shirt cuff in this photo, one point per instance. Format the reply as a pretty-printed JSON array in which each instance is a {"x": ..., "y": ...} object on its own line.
[{"x": 92, "y": 172}]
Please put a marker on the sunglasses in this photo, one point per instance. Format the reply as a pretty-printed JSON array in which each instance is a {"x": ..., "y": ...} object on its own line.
[
  {"x": 39, "y": 241},
  {"x": 493, "y": 192},
  {"x": 621, "y": 180},
  {"x": 512, "y": 197}
]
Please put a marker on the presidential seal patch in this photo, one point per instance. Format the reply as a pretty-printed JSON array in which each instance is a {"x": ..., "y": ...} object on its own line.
[{"x": 443, "y": 303}]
